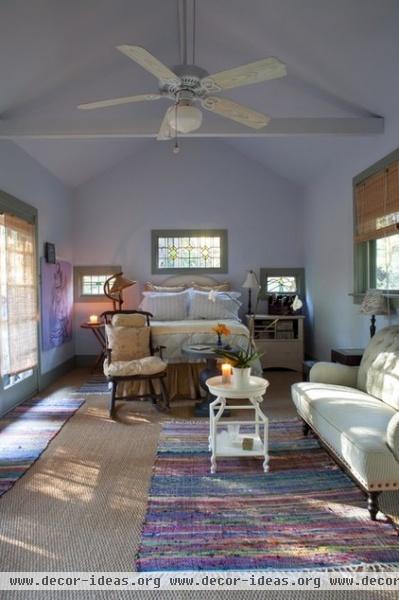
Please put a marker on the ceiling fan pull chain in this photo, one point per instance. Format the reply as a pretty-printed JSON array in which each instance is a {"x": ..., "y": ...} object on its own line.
[{"x": 176, "y": 148}]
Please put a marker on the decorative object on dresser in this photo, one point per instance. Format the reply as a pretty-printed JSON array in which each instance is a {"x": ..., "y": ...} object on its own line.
[
  {"x": 113, "y": 288},
  {"x": 131, "y": 357},
  {"x": 251, "y": 283},
  {"x": 347, "y": 356},
  {"x": 355, "y": 413},
  {"x": 374, "y": 304},
  {"x": 280, "y": 339}
]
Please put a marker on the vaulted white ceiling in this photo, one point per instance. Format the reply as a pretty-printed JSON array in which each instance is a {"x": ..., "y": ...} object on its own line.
[{"x": 341, "y": 59}]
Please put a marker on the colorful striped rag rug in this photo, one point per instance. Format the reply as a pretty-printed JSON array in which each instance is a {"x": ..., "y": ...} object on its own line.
[
  {"x": 304, "y": 513},
  {"x": 27, "y": 430},
  {"x": 96, "y": 384}
]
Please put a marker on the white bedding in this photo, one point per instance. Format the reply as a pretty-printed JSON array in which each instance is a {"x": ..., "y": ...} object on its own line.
[{"x": 176, "y": 334}]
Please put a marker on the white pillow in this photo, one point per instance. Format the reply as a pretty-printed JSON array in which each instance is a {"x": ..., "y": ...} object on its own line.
[
  {"x": 166, "y": 307},
  {"x": 225, "y": 306}
]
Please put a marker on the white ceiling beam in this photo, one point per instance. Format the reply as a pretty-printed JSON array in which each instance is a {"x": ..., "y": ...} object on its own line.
[{"x": 357, "y": 126}]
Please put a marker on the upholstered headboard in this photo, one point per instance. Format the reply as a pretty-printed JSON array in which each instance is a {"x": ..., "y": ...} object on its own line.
[{"x": 187, "y": 279}]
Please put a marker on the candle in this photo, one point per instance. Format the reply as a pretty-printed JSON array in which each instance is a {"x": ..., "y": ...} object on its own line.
[
  {"x": 226, "y": 373},
  {"x": 93, "y": 319}
]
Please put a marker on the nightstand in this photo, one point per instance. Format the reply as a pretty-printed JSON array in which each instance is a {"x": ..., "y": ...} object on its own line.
[
  {"x": 279, "y": 338},
  {"x": 347, "y": 356}
]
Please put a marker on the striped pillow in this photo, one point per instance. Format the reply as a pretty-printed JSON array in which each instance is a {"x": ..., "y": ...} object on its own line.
[
  {"x": 166, "y": 307},
  {"x": 225, "y": 306}
]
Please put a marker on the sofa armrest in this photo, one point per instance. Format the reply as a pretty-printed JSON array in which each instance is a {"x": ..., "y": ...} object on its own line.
[
  {"x": 393, "y": 435},
  {"x": 335, "y": 373}
]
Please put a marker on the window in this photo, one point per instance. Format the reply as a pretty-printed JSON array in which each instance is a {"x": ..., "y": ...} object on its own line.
[
  {"x": 18, "y": 299},
  {"x": 281, "y": 284},
  {"x": 376, "y": 232},
  {"x": 89, "y": 282},
  {"x": 189, "y": 251},
  {"x": 282, "y": 281}
]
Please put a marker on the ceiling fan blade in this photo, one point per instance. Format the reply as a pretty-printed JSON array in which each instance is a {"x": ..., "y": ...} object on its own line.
[
  {"x": 165, "y": 131},
  {"x": 261, "y": 70},
  {"x": 236, "y": 112},
  {"x": 146, "y": 60},
  {"x": 117, "y": 101}
]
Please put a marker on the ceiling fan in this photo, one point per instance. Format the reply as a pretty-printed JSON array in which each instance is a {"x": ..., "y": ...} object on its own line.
[{"x": 188, "y": 84}]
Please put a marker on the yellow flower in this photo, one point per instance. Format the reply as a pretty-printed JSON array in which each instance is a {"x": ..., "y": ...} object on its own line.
[{"x": 221, "y": 329}]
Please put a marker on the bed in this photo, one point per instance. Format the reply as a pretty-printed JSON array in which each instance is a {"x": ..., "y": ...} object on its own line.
[{"x": 183, "y": 376}]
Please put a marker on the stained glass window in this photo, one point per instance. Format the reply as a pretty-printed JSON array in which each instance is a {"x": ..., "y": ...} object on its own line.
[{"x": 189, "y": 251}]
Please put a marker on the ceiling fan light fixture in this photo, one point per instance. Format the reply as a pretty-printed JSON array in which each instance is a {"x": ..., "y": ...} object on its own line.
[{"x": 185, "y": 119}]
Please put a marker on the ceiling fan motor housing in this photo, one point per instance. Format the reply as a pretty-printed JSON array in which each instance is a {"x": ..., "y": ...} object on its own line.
[{"x": 190, "y": 85}]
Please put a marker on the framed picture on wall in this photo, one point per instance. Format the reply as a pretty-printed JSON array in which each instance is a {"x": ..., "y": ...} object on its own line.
[{"x": 49, "y": 253}]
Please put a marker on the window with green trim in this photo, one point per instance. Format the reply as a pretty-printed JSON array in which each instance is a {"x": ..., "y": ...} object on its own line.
[
  {"x": 376, "y": 230},
  {"x": 189, "y": 251}
]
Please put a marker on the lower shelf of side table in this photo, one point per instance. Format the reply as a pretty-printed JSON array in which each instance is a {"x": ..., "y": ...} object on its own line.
[{"x": 232, "y": 446}]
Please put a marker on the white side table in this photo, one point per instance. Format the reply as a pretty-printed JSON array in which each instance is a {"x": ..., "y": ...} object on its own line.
[{"x": 229, "y": 443}]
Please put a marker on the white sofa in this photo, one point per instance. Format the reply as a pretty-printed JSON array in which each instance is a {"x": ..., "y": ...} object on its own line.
[{"x": 355, "y": 413}]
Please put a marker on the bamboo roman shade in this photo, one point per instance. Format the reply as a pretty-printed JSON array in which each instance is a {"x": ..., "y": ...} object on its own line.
[
  {"x": 18, "y": 300},
  {"x": 377, "y": 205}
]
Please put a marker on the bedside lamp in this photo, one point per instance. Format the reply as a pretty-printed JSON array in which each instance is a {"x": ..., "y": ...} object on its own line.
[
  {"x": 251, "y": 283},
  {"x": 373, "y": 304}
]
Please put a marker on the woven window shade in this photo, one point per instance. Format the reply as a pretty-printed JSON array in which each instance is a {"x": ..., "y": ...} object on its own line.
[
  {"x": 18, "y": 301},
  {"x": 377, "y": 205}
]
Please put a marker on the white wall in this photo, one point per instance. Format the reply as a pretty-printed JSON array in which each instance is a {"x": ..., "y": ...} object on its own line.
[
  {"x": 328, "y": 239},
  {"x": 25, "y": 179},
  {"x": 208, "y": 185}
]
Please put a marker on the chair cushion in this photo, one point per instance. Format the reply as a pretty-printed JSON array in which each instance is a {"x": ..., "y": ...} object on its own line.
[
  {"x": 128, "y": 343},
  {"x": 354, "y": 425},
  {"x": 393, "y": 435},
  {"x": 379, "y": 370},
  {"x": 134, "y": 320},
  {"x": 150, "y": 365}
]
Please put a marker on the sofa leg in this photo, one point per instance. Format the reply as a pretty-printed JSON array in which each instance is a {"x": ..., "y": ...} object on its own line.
[
  {"x": 112, "y": 401},
  {"x": 305, "y": 428},
  {"x": 372, "y": 504}
]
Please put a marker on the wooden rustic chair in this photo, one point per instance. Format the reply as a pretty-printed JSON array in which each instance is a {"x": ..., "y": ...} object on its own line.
[{"x": 130, "y": 356}]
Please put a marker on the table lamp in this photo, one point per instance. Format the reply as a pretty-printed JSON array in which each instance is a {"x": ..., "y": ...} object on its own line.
[
  {"x": 251, "y": 283},
  {"x": 373, "y": 304},
  {"x": 114, "y": 286}
]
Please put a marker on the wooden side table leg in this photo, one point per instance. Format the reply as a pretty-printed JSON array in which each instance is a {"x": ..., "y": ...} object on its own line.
[
  {"x": 218, "y": 404},
  {"x": 266, "y": 444}
]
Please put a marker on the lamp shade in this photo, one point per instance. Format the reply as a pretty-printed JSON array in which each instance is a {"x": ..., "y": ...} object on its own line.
[
  {"x": 374, "y": 303},
  {"x": 120, "y": 283},
  {"x": 251, "y": 281}
]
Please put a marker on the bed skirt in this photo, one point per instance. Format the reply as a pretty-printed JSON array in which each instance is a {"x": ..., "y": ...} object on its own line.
[{"x": 182, "y": 381}]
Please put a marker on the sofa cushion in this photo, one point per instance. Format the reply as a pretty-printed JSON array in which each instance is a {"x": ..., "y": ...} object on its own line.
[
  {"x": 353, "y": 425},
  {"x": 379, "y": 370}
]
